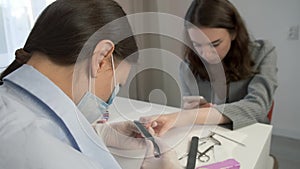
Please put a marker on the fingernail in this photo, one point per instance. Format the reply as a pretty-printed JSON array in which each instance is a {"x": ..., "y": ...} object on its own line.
[{"x": 154, "y": 124}]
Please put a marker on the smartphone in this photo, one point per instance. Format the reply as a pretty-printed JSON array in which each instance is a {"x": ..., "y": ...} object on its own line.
[{"x": 199, "y": 99}]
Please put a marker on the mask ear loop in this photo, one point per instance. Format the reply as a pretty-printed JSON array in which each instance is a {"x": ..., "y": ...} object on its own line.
[
  {"x": 106, "y": 114},
  {"x": 90, "y": 80},
  {"x": 114, "y": 70}
]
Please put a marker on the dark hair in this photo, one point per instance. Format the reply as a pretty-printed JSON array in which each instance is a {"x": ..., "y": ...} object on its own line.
[
  {"x": 64, "y": 27},
  {"x": 221, "y": 14}
]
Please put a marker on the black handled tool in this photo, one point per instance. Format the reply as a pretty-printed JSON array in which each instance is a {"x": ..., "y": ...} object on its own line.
[
  {"x": 148, "y": 136},
  {"x": 191, "y": 161}
]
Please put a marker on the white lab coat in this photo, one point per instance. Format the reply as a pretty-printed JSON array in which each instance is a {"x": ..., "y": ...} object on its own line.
[{"x": 41, "y": 128}]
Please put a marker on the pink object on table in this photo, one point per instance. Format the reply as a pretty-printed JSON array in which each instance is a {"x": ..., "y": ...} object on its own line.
[{"x": 227, "y": 164}]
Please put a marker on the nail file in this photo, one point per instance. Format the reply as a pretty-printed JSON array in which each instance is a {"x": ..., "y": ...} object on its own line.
[
  {"x": 148, "y": 136},
  {"x": 191, "y": 162}
]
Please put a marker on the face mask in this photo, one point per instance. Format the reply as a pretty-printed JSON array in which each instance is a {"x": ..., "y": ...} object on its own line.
[
  {"x": 112, "y": 96},
  {"x": 93, "y": 107}
]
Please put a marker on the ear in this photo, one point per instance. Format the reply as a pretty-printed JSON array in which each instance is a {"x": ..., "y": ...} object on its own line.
[{"x": 103, "y": 49}]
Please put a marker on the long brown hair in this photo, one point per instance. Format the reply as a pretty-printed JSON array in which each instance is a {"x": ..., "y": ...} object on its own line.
[
  {"x": 221, "y": 14},
  {"x": 63, "y": 28}
]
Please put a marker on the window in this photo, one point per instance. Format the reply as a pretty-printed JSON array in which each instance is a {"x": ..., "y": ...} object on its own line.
[{"x": 16, "y": 19}]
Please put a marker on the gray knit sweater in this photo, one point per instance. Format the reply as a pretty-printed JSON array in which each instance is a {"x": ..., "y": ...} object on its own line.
[{"x": 248, "y": 101}]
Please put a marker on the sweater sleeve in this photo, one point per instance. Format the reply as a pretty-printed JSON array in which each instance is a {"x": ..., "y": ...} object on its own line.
[{"x": 255, "y": 106}]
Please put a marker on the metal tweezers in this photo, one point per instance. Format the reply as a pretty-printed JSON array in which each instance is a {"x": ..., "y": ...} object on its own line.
[{"x": 148, "y": 136}]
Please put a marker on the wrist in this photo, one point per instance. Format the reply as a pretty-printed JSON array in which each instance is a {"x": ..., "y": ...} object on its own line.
[{"x": 186, "y": 117}]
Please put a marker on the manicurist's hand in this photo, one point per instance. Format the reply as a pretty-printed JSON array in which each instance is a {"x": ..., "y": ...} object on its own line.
[
  {"x": 120, "y": 135},
  {"x": 167, "y": 160}
]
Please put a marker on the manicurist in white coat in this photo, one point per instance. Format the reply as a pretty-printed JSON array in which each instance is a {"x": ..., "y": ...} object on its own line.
[{"x": 63, "y": 79}]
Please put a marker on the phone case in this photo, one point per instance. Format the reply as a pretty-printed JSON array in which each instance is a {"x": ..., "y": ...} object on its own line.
[{"x": 200, "y": 99}]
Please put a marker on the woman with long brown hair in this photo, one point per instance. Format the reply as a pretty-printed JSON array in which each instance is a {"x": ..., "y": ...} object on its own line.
[
  {"x": 63, "y": 79},
  {"x": 220, "y": 39}
]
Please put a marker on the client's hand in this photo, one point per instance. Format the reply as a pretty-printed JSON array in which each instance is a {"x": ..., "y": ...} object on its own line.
[
  {"x": 160, "y": 124},
  {"x": 167, "y": 160}
]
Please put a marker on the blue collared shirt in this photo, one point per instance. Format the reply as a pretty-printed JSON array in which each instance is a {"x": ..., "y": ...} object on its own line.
[{"x": 41, "y": 127}]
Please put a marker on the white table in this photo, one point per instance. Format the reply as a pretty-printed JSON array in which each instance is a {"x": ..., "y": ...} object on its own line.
[{"x": 256, "y": 137}]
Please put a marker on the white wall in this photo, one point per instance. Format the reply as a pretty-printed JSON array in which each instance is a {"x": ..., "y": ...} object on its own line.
[
  {"x": 271, "y": 19},
  {"x": 178, "y": 8}
]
